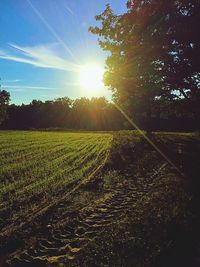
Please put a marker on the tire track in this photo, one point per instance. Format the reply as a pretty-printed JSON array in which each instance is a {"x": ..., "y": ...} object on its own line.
[{"x": 63, "y": 244}]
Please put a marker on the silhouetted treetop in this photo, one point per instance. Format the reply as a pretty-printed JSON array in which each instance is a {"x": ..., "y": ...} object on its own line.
[{"x": 154, "y": 53}]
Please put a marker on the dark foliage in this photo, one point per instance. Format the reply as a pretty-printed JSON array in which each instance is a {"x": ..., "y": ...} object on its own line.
[
  {"x": 95, "y": 114},
  {"x": 154, "y": 57},
  {"x": 4, "y": 100},
  {"x": 83, "y": 114}
]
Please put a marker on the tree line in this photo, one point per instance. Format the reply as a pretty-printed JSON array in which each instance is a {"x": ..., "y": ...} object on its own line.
[
  {"x": 83, "y": 113},
  {"x": 92, "y": 114}
]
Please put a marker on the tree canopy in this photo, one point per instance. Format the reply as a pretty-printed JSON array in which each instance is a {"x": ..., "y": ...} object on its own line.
[{"x": 154, "y": 54}]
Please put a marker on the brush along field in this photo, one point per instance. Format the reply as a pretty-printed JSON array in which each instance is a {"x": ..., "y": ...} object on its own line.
[{"x": 98, "y": 199}]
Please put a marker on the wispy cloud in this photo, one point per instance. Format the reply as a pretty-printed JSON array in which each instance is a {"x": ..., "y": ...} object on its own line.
[
  {"x": 12, "y": 81},
  {"x": 43, "y": 56},
  {"x": 20, "y": 88},
  {"x": 16, "y": 90}
]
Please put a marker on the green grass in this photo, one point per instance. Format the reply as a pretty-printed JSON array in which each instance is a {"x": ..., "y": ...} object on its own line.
[
  {"x": 36, "y": 167},
  {"x": 39, "y": 170}
]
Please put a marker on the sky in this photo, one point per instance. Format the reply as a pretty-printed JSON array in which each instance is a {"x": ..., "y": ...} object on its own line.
[{"x": 43, "y": 41}]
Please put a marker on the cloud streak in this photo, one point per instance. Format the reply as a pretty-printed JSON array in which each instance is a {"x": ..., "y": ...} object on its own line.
[
  {"x": 22, "y": 87},
  {"x": 43, "y": 56},
  {"x": 12, "y": 81}
]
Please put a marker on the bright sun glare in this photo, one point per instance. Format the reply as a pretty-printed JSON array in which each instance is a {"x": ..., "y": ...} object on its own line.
[{"x": 91, "y": 79}]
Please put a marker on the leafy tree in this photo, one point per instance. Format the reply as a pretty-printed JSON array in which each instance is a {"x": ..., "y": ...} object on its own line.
[
  {"x": 4, "y": 101},
  {"x": 80, "y": 115},
  {"x": 154, "y": 53},
  {"x": 131, "y": 67}
]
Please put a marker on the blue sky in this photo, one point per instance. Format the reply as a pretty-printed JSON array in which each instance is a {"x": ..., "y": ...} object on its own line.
[{"x": 43, "y": 41}]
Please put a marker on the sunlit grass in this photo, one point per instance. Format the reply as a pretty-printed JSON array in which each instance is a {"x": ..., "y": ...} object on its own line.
[{"x": 40, "y": 165}]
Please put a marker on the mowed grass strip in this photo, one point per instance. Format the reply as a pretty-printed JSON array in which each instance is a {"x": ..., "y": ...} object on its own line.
[{"x": 37, "y": 166}]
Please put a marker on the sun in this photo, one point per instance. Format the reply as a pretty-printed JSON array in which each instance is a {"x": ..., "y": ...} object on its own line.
[{"x": 91, "y": 79}]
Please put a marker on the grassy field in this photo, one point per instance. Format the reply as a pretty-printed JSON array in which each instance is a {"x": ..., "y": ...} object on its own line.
[
  {"x": 37, "y": 167},
  {"x": 98, "y": 199}
]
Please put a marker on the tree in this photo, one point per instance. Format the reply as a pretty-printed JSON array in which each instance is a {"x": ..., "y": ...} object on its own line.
[
  {"x": 182, "y": 69},
  {"x": 132, "y": 72},
  {"x": 80, "y": 115},
  {"x": 4, "y": 101},
  {"x": 62, "y": 109},
  {"x": 154, "y": 53}
]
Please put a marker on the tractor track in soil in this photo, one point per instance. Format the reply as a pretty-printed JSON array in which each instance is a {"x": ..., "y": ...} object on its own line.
[{"x": 63, "y": 243}]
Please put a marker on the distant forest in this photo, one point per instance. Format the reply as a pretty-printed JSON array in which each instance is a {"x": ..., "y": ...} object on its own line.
[{"x": 96, "y": 114}]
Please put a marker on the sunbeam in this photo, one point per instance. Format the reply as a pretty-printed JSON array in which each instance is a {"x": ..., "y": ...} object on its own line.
[{"x": 148, "y": 140}]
